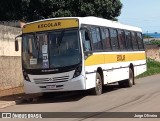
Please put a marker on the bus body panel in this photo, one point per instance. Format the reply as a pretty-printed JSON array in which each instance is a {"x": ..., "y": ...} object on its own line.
[
  {"x": 113, "y": 70},
  {"x": 54, "y": 83},
  {"x": 90, "y": 80},
  {"x": 140, "y": 69}
]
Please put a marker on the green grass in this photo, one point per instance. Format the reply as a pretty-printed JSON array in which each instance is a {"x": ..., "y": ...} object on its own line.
[
  {"x": 155, "y": 42},
  {"x": 153, "y": 67}
]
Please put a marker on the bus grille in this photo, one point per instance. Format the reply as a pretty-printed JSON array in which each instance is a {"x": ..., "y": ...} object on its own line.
[{"x": 51, "y": 80}]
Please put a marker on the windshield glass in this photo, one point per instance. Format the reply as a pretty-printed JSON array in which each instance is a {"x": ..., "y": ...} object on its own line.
[{"x": 51, "y": 50}]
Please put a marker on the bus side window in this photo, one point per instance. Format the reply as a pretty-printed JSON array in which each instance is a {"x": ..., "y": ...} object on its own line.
[
  {"x": 134, "y": 41},
  {"x": 97, "y": 42},
  {"x": 106, "y": 38},
  {"x": 121, "y": 36},
  {"x": 114, "y": 39},
  {"x": 86, "y": 40},
  {"x": 128, "y": 40},
  {"x": 140, "y": 41}
]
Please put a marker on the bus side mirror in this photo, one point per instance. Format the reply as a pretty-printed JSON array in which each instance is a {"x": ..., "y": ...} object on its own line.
[{"x": 16, "y": 43}]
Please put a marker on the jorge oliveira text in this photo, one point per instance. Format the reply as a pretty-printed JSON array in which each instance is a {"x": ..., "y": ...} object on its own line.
[{"x": 145, "y": 115}]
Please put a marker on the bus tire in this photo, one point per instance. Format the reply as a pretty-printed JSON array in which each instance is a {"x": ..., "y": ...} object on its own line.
[
  {"x": 97, "y": 90},
  {"x": 130, "y": 80}
]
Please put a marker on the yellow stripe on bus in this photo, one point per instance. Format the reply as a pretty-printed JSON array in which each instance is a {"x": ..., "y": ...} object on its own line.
[
  {"x": 50, "y": 25},
  {"x": 96, "y": 59}
]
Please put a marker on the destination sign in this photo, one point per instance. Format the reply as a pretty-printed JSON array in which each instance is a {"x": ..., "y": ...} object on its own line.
[{"x": 50, "y": 25}]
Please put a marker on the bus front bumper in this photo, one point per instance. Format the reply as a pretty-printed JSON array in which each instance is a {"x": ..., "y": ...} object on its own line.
[{"x": 77, "y": 83}]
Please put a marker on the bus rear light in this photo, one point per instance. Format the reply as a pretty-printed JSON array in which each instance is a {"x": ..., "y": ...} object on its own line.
[{"x": 78, "y": 71}]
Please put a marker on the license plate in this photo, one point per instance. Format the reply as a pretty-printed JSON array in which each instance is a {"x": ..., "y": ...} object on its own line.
[{"x": 51, "y": 86}]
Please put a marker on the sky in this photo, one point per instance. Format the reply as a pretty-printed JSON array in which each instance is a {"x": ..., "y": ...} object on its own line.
[{"x": 141, "y": 13}]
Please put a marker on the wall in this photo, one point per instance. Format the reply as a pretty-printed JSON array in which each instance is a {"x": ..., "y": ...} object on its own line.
[
  {"x": 10, "y": 61},
  {"x": 153, "y": 52}
]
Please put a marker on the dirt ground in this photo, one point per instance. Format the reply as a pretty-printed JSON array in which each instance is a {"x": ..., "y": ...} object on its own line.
[
  {"x": 13, "y": 91},
  {"x": 15, "y": 94}
]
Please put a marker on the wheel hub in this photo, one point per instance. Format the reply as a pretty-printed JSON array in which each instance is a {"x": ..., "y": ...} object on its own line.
[{"x": 99, "y": 85}]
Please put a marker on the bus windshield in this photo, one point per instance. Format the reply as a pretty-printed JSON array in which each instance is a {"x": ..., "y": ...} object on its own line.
[{"x": 51, "y": 49}]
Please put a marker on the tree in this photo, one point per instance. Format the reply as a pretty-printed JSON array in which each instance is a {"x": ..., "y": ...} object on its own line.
[
  {"x": 30, "y": 10},
  {"x": 109, "y": 9},
  {"x": 10, "y": 10}
]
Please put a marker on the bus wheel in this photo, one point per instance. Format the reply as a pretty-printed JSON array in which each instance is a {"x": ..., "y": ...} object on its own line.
[
  {"x": 130, "y": 81},
  {"x": 98, "y": 89}
]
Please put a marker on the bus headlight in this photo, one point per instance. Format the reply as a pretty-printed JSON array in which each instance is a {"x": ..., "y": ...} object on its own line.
[
  {"x": 25, "y": 75},
  {"x": 78, "y": 71}
]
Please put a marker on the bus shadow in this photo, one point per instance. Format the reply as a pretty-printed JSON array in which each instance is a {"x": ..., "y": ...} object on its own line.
[
  {"x": 57, "y": 97},
  {"x": 110, "y": 88},
  {"x": 67, "y": 96}
]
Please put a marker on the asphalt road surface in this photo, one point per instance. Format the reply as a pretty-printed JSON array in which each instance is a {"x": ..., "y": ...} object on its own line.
[{"x": 143, "y": 97}]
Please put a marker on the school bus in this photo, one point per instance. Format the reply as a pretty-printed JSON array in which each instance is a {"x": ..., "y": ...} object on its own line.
[{"x": 80, "y": 53}]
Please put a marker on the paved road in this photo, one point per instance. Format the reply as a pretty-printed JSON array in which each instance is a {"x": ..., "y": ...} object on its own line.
[{"x": 143, "y": 97}]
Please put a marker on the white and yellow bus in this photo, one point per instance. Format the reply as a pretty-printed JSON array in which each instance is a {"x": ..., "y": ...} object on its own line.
[{"x": 80, "y": 53}]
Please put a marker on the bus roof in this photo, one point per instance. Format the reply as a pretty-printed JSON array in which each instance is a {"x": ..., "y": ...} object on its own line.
[
  {"x": 91, "y": 20},
  {"x": 107, "y": 23}
]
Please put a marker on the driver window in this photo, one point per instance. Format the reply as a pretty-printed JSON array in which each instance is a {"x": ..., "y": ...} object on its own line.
[{"x": 86, "y": 40}]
